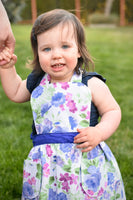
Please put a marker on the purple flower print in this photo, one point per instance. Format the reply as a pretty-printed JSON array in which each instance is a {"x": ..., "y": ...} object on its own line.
[
  {"x": 93, "y": 179},
  {"x": 58, "y": 99},
  {"x": 65, "y": 186},
  {"x": 39, "y": 128},
  {"x": 90, "y": 192},
  {"x": 62, "y": 107},
  {"x": 68, "y": 180},
  {"x": 73, "y": 122},
  {"x": 106, "y": 195},
  {"x": 100, "y": 192},
  {"x": 65, "y": 85},
  {"x": 43, "y": 82},
  {"x": 27, "y": 190},
  {"x": 34, "y": 115},
  {"x": 47, "y": 126},
  {"x": 73, "y": 179},
  {"x": 32, "y": 181},
  {"x": 59, "y": 129},
  {"x": 37, "y": 92},
  {"x": 61, "y": 196},
  {"x": 68, "y": 96},
  {"x": 45, "y": 108},
  {"x": 108, "y": 152},
  {"x": 49, "y": 150},
  {"x": 88, "y": 115},
  {"x": 117, "y": 185},
  {"x": 55, "y": 85},
  {"x": 66, "y": 147},
  {"x": 72, "y": 106},
  {"x": 48, "y": 77},
  {"x": 65, "y": 178},
  {"x": 54, "y": 196},
  {"x": 46, "y": 170},
  {"x": 110, "y": 178},
  {"x": 36, "y": 156},
  {"x": 84, "y": 108},
  {"x": 93, "y": 153},
  {"x": 75, "y": 156},
  {"x": 59, "y": 161},
  {"x": 79, "y": 84},
  {"x": 26, "y": 174}
]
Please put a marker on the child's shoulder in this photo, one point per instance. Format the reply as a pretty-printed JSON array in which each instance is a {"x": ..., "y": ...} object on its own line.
[
  {"x": 89, "y": 75},
  {"x": 33, "y": 80}
]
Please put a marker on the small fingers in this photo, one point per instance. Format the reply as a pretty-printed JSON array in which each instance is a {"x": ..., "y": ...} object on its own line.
[
  {"x": 5, "y": 54},
  {"x": 5, "y": 65},
  {"x": 82, "y": 145},
  {"x": 85, "y": 147},
  {"x": 80, "y": 140}
]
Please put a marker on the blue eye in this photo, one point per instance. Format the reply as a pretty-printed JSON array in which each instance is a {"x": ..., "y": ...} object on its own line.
[
  {"x": 47, "y": 49},
  {"x": 65, "y": 46}
]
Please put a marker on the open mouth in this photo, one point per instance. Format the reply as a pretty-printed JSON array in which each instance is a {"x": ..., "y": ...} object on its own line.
[{"x": 58, "y": 65}]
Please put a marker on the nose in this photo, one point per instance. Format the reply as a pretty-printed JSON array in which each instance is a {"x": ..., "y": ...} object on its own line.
[{"x": 57, "y": 53}]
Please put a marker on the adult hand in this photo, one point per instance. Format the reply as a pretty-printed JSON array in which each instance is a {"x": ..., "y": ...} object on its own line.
[{"x": 6, "y": 35}]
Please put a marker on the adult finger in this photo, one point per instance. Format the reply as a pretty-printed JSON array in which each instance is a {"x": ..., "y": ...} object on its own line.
[
  {"x": 2, "y": 46},
  {"x": 10, "y": 43}
]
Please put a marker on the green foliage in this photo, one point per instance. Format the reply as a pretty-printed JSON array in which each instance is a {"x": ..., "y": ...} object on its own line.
[
  {"x": 21, "y": 10},
  {"x": 99, "y": 18},
  {"x": 112, "y": 49},
  {"x": 14, "y": 9}
]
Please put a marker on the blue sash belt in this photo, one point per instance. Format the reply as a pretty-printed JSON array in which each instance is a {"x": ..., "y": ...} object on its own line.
[{"x": 50, "y": 138}]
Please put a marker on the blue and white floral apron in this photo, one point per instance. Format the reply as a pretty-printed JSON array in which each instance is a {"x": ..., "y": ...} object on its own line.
[{"x": 55, "y": 169}]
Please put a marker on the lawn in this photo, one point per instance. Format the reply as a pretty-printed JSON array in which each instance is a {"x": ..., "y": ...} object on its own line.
[{"x": 112, "y": 50}]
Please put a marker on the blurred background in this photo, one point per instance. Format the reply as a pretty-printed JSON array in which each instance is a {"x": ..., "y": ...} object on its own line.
[
  {"x": 109, "y": 36},
  {"x": 118, "y": 12}
]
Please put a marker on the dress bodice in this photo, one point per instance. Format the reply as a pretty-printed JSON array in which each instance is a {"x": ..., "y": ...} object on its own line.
[{"x": 62, "y": 106}]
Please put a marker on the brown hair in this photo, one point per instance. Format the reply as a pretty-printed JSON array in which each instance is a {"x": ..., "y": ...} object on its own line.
[{"x": 49, "y": 20}]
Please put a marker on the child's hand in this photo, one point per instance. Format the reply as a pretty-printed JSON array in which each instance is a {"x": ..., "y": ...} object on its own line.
[
  {"x": 87, "y": 139},
  {"x": 7, "y": 59}
]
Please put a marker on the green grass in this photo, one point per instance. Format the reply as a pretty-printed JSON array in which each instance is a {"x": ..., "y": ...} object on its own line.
[{"x": 112, "y": 49}]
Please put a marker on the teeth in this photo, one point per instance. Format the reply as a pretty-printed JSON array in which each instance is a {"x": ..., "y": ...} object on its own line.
[{"x": 57, "y": 65}]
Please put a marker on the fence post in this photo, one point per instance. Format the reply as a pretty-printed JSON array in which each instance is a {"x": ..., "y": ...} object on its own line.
[
  {"x": 122, "y": 12},
  {"x": 33, "y": 10},
  {"x": 77, "y": 7}
]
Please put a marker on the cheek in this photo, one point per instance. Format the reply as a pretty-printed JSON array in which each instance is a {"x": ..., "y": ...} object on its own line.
[
  {"x": 42, "y": 60},
  {"x": 73, "y": 57}
]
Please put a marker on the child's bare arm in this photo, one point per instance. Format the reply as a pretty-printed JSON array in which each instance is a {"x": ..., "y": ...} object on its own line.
[
  {"x": 12, "y": 84},
  {"x": 110, "y": 114}
]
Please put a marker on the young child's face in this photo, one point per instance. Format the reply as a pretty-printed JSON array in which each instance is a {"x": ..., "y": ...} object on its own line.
[{"x": 58, "y": 52}]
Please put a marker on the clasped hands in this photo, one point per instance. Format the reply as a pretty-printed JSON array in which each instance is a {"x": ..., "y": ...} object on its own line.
[{"x": 7, "y": 59}]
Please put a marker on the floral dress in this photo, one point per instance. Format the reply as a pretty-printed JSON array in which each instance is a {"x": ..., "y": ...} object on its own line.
[{"x": 55, "y": 169}]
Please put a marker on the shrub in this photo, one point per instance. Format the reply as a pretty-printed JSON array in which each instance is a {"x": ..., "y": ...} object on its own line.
[{"x": 99, "y": 18}]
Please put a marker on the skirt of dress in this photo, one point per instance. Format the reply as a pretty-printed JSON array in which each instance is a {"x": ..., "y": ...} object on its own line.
[{"x": 63, "y": 172}]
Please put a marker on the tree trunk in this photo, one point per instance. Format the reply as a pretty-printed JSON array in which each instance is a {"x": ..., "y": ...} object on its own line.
[
  {"x": 77, "y": 8},
  {"x": 108, "y": 7},
  {"x": 33, "y": 10},
  {"x": 122, "y": 12}
]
